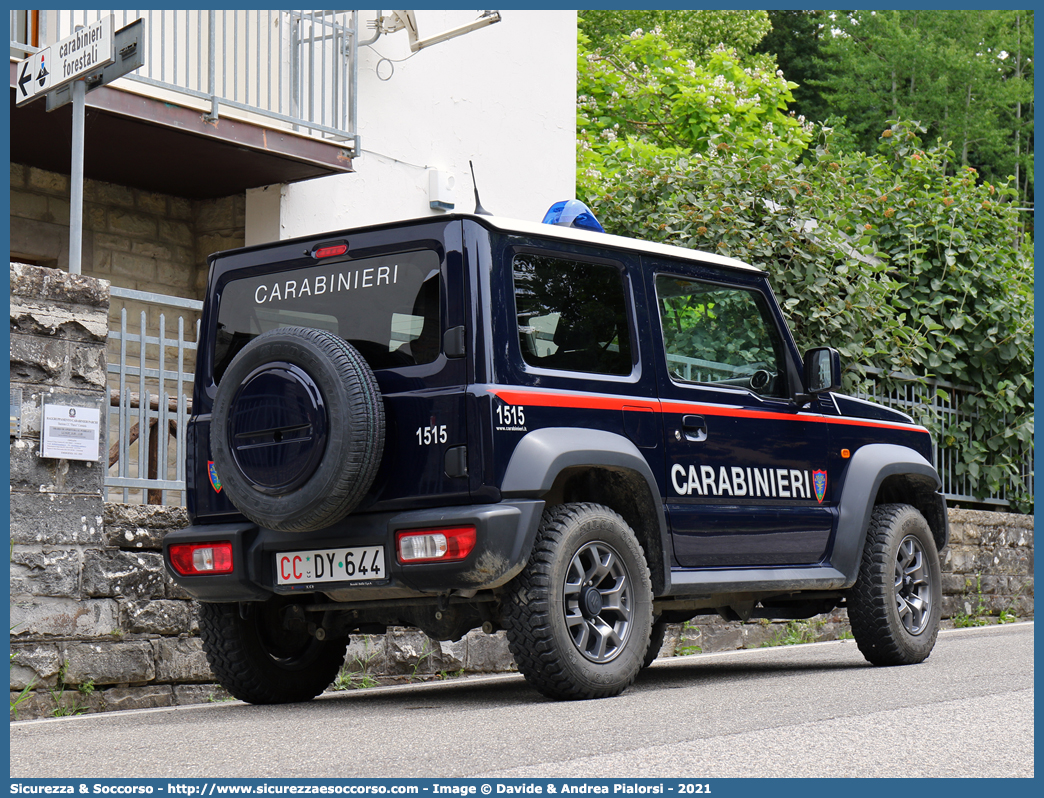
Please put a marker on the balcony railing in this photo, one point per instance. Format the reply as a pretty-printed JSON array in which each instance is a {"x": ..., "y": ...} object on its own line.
[{"x": 297, "y": 70}]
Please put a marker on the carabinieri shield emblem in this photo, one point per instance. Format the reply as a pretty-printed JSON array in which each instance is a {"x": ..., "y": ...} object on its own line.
[
  {"x": 212, "y": 470},
  {"x": 819, "y": 482}
]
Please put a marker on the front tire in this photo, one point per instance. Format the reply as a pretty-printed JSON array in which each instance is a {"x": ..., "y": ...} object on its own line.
[
  {"x": 894, "y": 606},
  {"x": 257, "y": 659},
  {"x": 578, "y": 617}
]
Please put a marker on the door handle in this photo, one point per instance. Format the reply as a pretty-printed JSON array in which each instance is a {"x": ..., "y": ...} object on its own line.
[{"x": 694, "y": 427}]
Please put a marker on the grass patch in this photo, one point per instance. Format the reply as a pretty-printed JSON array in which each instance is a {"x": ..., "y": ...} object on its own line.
[
  {"x": 62, "y": 706},
  {"x": 977, "y": 616},
  {"x": 797, "y": 632},
  {"x": 354, "y": 675},
  {"x": 26, "y": 693},
  {"x": 691, "y": 648},
  {"x": 23, "y": 696}
]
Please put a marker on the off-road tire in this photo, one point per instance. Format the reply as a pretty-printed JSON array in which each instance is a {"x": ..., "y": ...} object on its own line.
[
  {"x": 894, "y": 606},
  {"x": 659, "y": 631},
  {"x": 354, "y": 439},
  {"x": 542, "y": 608},
  {"x": 258, "y": 660}
]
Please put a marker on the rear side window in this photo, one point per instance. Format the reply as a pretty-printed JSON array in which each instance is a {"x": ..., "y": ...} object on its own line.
[
  {"x": 571, "y": 315},
  {"x": 387, "y": 307}
]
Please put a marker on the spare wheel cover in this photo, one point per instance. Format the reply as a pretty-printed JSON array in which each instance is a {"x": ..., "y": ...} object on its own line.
[
  {"x": 277, "y": 428},
  {"x": 297, "y": 431}
]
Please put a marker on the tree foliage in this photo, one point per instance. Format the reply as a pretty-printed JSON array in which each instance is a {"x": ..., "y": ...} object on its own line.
[
  {"x": 654, "y": 97},
  {"x": 696, "y": 33},
  {"x": 906, "y": 259},
  {"x": 796, "y": 44},
  {"x": 967, "y": 74}
]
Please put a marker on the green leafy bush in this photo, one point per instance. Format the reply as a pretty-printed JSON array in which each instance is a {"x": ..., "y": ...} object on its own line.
[{"x": 886, "y": 257}]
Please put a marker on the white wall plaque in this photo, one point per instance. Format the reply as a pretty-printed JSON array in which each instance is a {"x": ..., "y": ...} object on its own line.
[{"x": 70, "y": 433}]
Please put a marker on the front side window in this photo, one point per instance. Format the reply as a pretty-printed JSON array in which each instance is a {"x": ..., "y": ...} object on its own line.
[
  {"x": 571, "y": 315},
  {"x": 720, "y": 334},
  {"x": 387, "y": 307}
]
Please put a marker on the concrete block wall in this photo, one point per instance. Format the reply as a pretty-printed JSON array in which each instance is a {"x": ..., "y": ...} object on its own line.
[{"x": 132, "y": 238}]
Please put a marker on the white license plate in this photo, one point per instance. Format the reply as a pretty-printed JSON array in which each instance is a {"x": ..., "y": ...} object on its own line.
[{"x": 361, "y": 564}]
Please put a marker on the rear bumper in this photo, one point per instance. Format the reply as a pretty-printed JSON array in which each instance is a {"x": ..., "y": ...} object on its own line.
[{"x": 504, "y": 537}]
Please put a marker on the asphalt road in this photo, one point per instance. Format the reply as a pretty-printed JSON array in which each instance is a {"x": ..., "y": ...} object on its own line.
[{"x": 799, "y": 711}]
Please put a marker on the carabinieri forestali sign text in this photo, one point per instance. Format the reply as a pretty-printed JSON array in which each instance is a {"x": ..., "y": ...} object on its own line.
[{"x": 83, "y": 51}]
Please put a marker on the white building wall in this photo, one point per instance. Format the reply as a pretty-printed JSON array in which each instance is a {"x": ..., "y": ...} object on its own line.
[{"x": 503, "y": 96}]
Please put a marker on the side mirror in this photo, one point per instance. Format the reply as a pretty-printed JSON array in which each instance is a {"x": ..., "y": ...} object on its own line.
[{"x": 822, "y": 370}]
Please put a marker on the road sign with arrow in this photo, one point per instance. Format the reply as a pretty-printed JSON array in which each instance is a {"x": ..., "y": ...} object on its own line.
[{"x": 88, "y": 50}]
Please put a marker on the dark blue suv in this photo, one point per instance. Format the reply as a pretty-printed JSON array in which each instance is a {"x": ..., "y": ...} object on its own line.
[{"x": 473, "y": 422}]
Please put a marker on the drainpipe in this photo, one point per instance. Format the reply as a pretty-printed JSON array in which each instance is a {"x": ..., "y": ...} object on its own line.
[
  {"x": 376, "y": 35},
  {"x": 213, "y": 115},
  {"x": 353, "y": 101},
  {"x": 353, "y": 57}
]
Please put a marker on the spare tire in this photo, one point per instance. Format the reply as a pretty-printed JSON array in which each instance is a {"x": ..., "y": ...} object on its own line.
[{"x": 297, "y": 431}]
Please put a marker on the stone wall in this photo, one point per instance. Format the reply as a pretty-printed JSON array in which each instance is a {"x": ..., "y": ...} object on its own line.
[
  {"x": 131, "y": 634},
  {"x": 988, "y": 566},
  {"x": 94, "y": 620},
  {"x": 58, "y": 333},
  {"x": 987, "y": 570},
  {"x": 142, "y": 652},
  {"x": 140, "y": 648}
]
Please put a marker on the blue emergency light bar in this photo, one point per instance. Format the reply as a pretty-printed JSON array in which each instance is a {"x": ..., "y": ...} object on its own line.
[{"x": 572, "y": 213}]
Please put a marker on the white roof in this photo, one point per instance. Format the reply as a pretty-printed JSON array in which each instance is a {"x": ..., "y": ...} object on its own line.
[{"x": 605, "y": 239}]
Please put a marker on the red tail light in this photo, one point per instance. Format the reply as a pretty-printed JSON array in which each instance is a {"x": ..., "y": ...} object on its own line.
[
  {"x": 435, "y": 545},
  {"x": 195, "y": 559}
]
